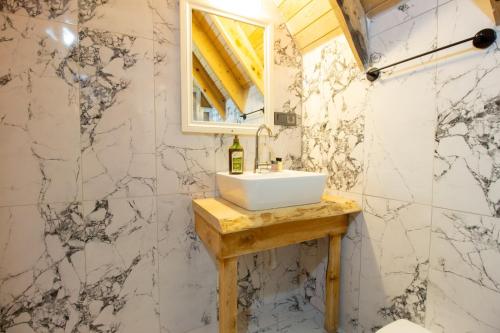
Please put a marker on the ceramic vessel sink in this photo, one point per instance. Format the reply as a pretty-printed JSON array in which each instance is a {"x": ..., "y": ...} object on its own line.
[{"x": 258, "y": 191}]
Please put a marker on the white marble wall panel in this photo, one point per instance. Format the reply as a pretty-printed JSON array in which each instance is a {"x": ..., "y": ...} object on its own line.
[
  {"x": 405, "y": 11},
  {"x": 117, "y": 115},
  {"x": 42, "y": 267},
  {"x": 167, "y": 66},
  {"x": 188, "y": 274},
  {"x": 39, "y": 164},
  {"x": 186, "y": 162},
  {"x": 394, "y": 262},
  {"x": 129, "y": 17},
  {"x": 89, "y": 267},
  {"x": 466, "y": 167},
  {"x": 400, "y": 117},
  {"x": 62, "y": 11},
  {"x": 451, "y": 97},
  {"x": 121, "y": 263},
  {"x": 333, "y": 120},
  {"x": 106, "y": 150},
  {"x": 464, "y": 281}
]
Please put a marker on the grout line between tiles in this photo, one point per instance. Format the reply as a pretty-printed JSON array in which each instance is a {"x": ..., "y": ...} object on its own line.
[
  {"x": 432, "y": 176},
  {"x": 156, "y": 201},
  {"x": 409, "y": 19}
]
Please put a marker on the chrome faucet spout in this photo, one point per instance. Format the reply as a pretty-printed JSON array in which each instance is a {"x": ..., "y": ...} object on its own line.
[{"x": 258, "y": 163}]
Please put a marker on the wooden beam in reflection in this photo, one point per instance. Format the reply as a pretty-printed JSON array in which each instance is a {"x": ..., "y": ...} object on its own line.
[
  {"x": 220, "y": 67},
  {"x": 208, "y": 87},
  {"x": 242, "y": 48}
]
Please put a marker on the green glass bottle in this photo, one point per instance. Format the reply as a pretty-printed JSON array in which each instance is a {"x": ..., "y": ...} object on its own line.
[{"x": 236, "y": 157}]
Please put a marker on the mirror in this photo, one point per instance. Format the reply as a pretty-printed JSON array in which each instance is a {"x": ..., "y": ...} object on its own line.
[{"x": 225, "y": 71}]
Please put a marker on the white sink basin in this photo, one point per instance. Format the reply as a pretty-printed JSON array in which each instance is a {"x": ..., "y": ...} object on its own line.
[{"x": 258, "y": 191}]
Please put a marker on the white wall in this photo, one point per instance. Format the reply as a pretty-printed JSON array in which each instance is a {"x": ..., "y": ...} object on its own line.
[
  {"x": 419, "y": 149},
  {"x": 96, "y": 178}
]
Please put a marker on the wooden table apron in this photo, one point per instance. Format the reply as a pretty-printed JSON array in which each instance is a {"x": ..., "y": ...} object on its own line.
[{"x": 227, "y": 247}]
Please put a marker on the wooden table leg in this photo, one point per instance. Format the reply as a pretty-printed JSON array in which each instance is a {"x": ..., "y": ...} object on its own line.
[
  {"x": 333, "y": 284},
  {"x": 228, "y": 295}
]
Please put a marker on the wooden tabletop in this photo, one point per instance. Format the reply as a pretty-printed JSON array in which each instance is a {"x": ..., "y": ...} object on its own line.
[{"x": 228, "y": 218}]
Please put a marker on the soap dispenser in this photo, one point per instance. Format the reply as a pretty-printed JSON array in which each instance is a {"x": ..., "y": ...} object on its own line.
[{"x": 236, "y": 157}]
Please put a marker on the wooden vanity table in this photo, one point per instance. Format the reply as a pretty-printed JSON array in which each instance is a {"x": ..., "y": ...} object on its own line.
[{"x": 229, "y": 231}]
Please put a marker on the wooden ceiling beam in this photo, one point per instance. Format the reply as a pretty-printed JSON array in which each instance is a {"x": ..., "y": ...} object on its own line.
[
  {"x": 237, "y": 40},
  {"x": 352, "y": 19},
  {"x": 495, "y": 5},
  {"x": 208, "y": 87},
  {"x": 218, "y": 65},
  {"x": 374, "y": 7}
]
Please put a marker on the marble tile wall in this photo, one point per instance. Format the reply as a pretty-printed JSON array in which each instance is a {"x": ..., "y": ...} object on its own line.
[
  {"x": 96, "y": 178},
  {"x": 418, "y": 148}
]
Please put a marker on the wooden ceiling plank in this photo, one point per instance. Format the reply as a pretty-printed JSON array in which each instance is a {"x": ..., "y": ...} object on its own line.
[
  {"x": 208, "y": 87},
  {"x": 323, "y": 39},
  {"x": 316, "y": 30},
  {"x": 242, "y": 48},
  {"x": 308, "y": 15},
  {"x": 352, "y": 20},
  {"x": 219, "y": 66},
  {"x": 290, "y": 8}
]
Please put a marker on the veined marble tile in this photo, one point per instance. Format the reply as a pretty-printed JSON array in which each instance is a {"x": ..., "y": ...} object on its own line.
[
  {"x": 286, "y": 52},
  {"x": 253, "y": 313},
  {"x": 466, "y": 167},
  {"x": 65, "y": 11},
  {"x": 286, "y": 313},
  {"x": 167, "y": 77},
  {"x": 117, "y": 115},
  {"x": 313, "y": 262},
  {"x": 400, "y": 118},
  {"x": 403, "y": 12},
  {"x": 188, "y": 274},
  {"x": 42, "y": 268},
  {"x": 268, "y": 288},
  {"x": 129, "y": 17},
  {"x": 38, "y": 131},
  {"x": 287, "y": 97},
  {"x": 186, "y": 162},
  {"x": 281, "y": 277},
  {"x": 90, "y": 268},
  {"x": 333, "y": 116},
  {"x": 166, "y": 11},
  {"x": 287, "y": 91},
  {"x": 121, "y": 286},
  {"x": 464, "y": 281},
  {"x": 287, "y": 144},
  {"x": 394, "y": 262},
  {"x": 405, "y": 40}
]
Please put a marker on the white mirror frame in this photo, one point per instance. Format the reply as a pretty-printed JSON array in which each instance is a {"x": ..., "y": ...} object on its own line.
[{"x": 188, "y": 124}]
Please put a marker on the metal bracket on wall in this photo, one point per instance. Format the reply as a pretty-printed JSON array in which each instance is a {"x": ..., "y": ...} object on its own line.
[
  {"x": 482, "y": 40},
  {"x": 245, "y": 115}
]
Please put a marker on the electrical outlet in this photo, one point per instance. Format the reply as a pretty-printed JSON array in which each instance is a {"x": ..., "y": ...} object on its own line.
[{"x": 285, "y": 119}]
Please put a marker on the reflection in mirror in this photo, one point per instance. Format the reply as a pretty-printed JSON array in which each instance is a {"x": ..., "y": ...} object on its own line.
[{"x": 228, "y": 70}]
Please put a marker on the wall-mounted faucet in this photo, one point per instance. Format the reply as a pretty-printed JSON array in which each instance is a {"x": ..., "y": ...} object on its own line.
[{"x": 261, "y": 165}]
